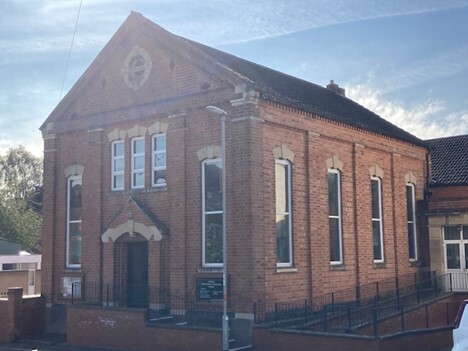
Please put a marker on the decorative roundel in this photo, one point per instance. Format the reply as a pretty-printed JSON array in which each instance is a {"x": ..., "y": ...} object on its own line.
[{"x": 136, "y": 68}]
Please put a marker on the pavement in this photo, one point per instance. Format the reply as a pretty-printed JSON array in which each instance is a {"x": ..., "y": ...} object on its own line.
[
  {"x": 58, "y": 343},
  {"x": 50, "y": 342}
]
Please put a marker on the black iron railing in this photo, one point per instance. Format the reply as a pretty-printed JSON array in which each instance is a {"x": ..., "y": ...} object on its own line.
[
  {"x": 356, "y": 306},
  {"x": 162, "y": 307}
]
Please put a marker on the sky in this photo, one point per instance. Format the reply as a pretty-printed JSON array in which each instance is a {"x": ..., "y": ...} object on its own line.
[{"x": 406, "y": 60}]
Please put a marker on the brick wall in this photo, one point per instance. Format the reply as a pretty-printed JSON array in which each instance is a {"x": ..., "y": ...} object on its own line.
[
  {"x": 126, "y": 330},
  {"x": 21, "y": 317},
  {"x": 446, "y": 198},
  {"x": 177, "y": 95},
  {"x": 251, "y": 209},
  {"x": 434, "y": 339}
]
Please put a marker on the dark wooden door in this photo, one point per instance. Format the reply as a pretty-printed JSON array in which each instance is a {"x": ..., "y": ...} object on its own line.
[{"x": 137, "y": 274}]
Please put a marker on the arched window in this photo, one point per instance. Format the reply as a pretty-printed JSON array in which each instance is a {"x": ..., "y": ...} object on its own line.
[
  {"x": 377, "y": 227},
  {"x": 158, "y": 177},
  {"x": 118, "y": 165},
  {"x": 74, "y": 203},
  {"x": 411, "y": 219},
  {"x": 212, "y": 207},
  {"x": 283, "y": 213},
  {"x": 138, "y": 162},
  {"x": 334, "y": 216}
]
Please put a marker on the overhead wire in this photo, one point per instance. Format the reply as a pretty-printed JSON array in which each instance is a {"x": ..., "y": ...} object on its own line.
[{"x": 70, "y": 52}]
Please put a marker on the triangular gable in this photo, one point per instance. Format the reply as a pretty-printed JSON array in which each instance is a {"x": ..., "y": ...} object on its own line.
[
  {"x": 145, "y": 71},
  {"x": 134, "y": 217},
  {"x": 107, "y": 84}
]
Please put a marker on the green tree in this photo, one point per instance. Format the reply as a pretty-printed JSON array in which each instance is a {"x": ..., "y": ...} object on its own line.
[{"x": 21, "y": 198}]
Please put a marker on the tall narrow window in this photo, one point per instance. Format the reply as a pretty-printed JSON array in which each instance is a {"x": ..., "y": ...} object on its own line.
[
  {"x": 334, "y": 216},
  {"x": 118, "y": 165},
  {"x": 377, "y": 232},
  {"x": 283, "y": 214},
  {"x": 411, "y": 217},
  {"x": 212, "y": 204},
  {"x": 138, "y": 163},
  {"x": 74, "y": 222},
  {"x": 159, "y": 160}
]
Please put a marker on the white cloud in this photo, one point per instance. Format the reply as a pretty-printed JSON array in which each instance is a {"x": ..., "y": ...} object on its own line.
[
  {"x": 425, "y": 120},
  {"x": 225, "y": 22},
  {"x": 438, "y": 65}
]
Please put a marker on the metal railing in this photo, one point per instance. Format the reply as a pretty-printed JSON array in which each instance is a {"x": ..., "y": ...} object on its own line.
[
  {"x": 162, "y": 307},
  {"x": 354, "y": 305},
  {"x": 346, "y": 311}
]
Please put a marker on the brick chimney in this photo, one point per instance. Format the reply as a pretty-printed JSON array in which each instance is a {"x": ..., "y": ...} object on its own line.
[{"x": 336, "y": 88}]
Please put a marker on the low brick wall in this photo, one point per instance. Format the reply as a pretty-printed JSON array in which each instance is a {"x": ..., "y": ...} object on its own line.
[
  {"x": 125, "y": 329},
  {"x": 278, "y": 340},
  {"x": 435, "y": 316},
  {"x": 429, "y": 339},
  {"x": 291, "y": 340},
  {"x": 21, "y": 316}
]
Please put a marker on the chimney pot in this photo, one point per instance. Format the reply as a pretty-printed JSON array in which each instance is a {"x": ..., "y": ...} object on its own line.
[{"x": 336, "y": 88}]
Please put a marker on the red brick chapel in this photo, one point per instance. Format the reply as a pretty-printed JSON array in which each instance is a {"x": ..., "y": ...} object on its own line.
[{"x": 320, "y": 192}]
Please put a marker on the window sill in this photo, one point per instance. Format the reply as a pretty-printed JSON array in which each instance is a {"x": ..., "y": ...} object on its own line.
[
  {"x": 216, "y": 270},
  {"x": 380, "y": 265},
  {"x": 415, "y": 264},
  {"x": 286, "y": 269},
  {"x": 338, "y": 267},
  {"x": 139, "y": 190},
  {"x": 72, "y": 270}
]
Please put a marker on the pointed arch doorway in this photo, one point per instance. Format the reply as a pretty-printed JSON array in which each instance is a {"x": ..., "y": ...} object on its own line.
[{"x": 130, "y": 235}]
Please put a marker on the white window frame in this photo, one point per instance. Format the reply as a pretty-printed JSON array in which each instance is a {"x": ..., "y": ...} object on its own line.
[
  {"x": 286, "y": 213},
  {"x": 412, "y": 221},
  {"x": 69, "y": 222},
  {"x": 153, "y": 160},
  {"x": 115, "y": 173},
  {"x": 134, "y": 156},
  {"x": 339, "y": 217},
  {"x": 379, "y": 220},
  {"x": 205, "y": 213}
]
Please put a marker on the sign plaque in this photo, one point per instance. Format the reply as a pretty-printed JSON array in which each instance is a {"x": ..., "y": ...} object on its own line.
[{"x": 209, "y": 289}]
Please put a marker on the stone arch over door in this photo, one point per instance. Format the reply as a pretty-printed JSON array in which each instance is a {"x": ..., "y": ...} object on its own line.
[{"x": 133, "y": 254}]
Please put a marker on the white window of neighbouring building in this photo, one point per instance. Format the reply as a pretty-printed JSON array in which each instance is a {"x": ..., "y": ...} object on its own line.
[
  {"x": 456, "y": 254},
  {"x": 118, "y": 165},
  {"x": 283, "y": 213},
  {"x": 159, "y": 160},
  {"x": 334, "y": 216},
  {"x": 212, "y": 204},
  {"x": 377, "y": 228},
  {"x": 411, "y": 218},
  {"x": 74, "y": 222},
  {"x": 138, "y": 163}
]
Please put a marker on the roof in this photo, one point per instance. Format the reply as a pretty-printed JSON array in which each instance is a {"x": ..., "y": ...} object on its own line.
[
  {"x": 9, "y": 247},
  {"x": 297, "y": 93},
  {"x": 271, "y": 85},
  {"x": 449, "y": 160}
]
